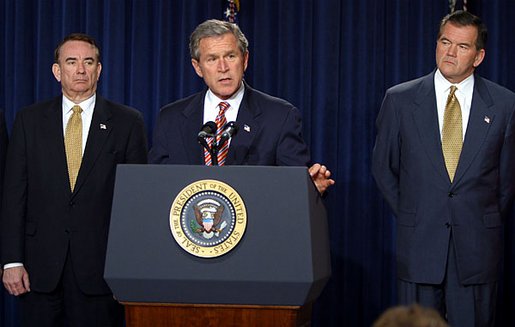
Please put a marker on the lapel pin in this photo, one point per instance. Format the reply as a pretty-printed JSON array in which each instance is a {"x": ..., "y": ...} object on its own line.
[
  {"x": 103, "y": 126},
  {"x": 246, "y": 128},
  {"x": 487, "y": 119}
]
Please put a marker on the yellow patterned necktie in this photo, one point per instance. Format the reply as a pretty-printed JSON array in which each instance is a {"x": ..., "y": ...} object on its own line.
[
  {"x": 73, "y": 144},
  {"x": 452, "y": 133}
]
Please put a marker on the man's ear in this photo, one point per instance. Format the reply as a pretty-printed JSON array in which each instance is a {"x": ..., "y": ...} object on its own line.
[
  {"x": 479, "y": 58},
  {"x": 196, "y": 66},
  {"x": 245, "y": 60},
  {"x": 99, "y": 70},
  {"x": 56, "y": 70}
]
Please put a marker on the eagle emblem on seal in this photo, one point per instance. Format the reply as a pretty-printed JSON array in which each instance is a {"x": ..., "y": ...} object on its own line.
[{"x": 208, "y": 218}]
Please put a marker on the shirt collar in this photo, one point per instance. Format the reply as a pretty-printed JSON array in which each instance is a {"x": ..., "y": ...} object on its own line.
[
  {"x": 442, "y": 85},
  {"x": 234, "y": 101},
  {"x": 86, "y": 105}
]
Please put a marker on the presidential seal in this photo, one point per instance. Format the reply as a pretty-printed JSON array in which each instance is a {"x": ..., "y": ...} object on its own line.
[{"x": 208, "y": 218}]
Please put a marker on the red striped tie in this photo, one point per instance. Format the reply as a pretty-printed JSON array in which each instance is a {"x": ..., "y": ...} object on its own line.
[{"x": 220, "y": 123}]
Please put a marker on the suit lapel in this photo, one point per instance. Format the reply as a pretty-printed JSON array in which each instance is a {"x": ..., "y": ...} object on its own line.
[
  {"x": 99, "y": 132},
  {"x": 53, "y": 129},
  {"x": 480, "y": 120},
  {"x": 426, "y": 120},
  {"x": 190, "y": 126},
  {"x": 249, "y": 127}
]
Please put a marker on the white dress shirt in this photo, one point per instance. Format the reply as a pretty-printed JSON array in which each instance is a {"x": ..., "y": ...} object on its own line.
[
  {"x": 211, "y": 102},
  {"x": 88, "y": 107},
  {"x": 464, "y": 92}
]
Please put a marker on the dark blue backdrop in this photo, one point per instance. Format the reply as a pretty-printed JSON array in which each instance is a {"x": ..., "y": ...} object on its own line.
[{"x": 333, "y": 59}]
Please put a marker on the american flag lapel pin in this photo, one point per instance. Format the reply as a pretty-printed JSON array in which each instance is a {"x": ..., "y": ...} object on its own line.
[
  {"x": 246, "y": 128},
  {"x": 487, "y": 119},
  {"x": 103, "y": 126}
]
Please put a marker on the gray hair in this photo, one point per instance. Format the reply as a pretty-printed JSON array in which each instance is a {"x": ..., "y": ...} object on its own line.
[{"x": 214, "y": 27}]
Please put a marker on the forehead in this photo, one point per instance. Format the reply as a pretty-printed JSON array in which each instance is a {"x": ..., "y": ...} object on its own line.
[
  {"x": 75, "y": 48},
  {"x": 459, "y": 34},
  {"x": 218, "y": 43}
]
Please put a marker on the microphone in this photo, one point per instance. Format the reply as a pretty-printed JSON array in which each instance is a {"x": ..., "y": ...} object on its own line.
[
  {"x": 230, "y": 130},
  {"x": 207, "y": 130}
]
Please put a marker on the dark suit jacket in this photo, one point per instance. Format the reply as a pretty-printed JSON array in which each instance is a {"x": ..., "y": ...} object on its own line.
[
  {"x": 42, "y": 219},
  {"x": 3, "y": 151},
  {"x": 270, "y": 133},
  {"x": 3, "y": 147},
  {"x": 409, "y": 168}
]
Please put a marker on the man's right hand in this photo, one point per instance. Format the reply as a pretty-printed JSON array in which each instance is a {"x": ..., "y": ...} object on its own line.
[{"x": 16, "y": 280}]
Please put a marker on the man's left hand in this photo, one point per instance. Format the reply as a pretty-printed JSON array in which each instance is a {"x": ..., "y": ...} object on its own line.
[{"x": 321, "y": 177}]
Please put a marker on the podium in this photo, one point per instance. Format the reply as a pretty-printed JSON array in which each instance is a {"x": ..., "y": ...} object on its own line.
[{"x": 277, "y": 269}]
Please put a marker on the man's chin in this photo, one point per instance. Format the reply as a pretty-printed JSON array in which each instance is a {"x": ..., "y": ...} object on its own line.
[
  {"x": 447, "y": 70},
  {"x": 225, "y": 93}
]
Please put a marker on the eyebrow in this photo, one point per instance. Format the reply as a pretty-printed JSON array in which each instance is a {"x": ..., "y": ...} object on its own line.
[
  {"x": 75, "y": 58},
  {"x": 224, "y": 53},
  {"x": 459, "y": 43}
]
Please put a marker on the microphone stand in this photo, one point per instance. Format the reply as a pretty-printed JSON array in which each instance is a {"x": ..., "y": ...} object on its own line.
[
  {"x": 214, "y": 152},
  {"x": 213, "y": 149},
  {"x": 230, "y": 129}
]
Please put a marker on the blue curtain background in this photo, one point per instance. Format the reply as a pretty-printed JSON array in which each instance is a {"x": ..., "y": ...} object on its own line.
[{"x": 333, "y": 59}]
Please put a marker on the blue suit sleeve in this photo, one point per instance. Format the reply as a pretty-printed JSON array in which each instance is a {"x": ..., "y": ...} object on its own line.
[
  {"x": 386, "y": 153},
  {"x": 291, "y": 149}
]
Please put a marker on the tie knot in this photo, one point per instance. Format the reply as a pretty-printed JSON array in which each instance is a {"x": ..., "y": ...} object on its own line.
[
  {"x": 453, "y": 90},
  {"x": 77, "y": 109},
  {"x": 223, "y": 107}
]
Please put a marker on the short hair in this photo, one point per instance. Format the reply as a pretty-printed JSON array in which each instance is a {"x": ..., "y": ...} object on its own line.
[
  {"x": 76, "y": 37},
  {"x": 464, "y": 18},
  {"x": 215, "y": 27},
  {"x": 410, "y": 316}
]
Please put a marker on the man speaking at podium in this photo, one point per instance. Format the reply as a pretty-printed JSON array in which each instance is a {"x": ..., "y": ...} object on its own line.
[{"x": 269, "y": 129}]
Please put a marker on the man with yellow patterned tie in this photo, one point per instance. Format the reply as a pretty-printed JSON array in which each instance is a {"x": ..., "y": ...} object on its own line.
[
  {"x": 60, "y": 172},
  {"x": 444, "y": 160}
]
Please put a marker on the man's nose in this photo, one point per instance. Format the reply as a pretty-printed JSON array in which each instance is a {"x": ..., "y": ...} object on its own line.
[
  {"x": 452, "y": 50},
  {"x": 81, "y": 67},
  {"x": 222, "y": 65}
]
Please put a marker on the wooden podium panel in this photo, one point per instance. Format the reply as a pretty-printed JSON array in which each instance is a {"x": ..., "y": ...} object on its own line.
[{"x": 207, "y": 315}]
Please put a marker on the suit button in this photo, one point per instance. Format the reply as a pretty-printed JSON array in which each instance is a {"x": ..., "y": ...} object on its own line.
[
  {"x": 451, "y": 195},
  {"x": 71, "y": 203},
  {"x": 448, "y": 225}
]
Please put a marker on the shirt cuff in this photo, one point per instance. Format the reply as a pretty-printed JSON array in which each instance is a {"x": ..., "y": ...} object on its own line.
[{"x": 12, "y": 265}]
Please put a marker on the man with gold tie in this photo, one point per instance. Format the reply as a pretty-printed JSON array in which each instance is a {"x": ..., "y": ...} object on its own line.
[
  {"x": 444, "y": 160},
  {"x": 60, "y": 173}
]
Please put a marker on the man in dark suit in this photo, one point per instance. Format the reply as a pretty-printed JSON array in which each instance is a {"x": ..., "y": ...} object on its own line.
[
  {"x": 270, "y": 130},
  {"x": 3, "y": 151},
  {"x": 57, "y": 202},
  {"x": 444, "y": 159}
]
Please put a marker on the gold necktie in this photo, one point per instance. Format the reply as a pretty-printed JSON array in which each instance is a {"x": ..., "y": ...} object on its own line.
[
  {"x": 452, "y": 133},
  {"x": 73, "y": 144}
]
